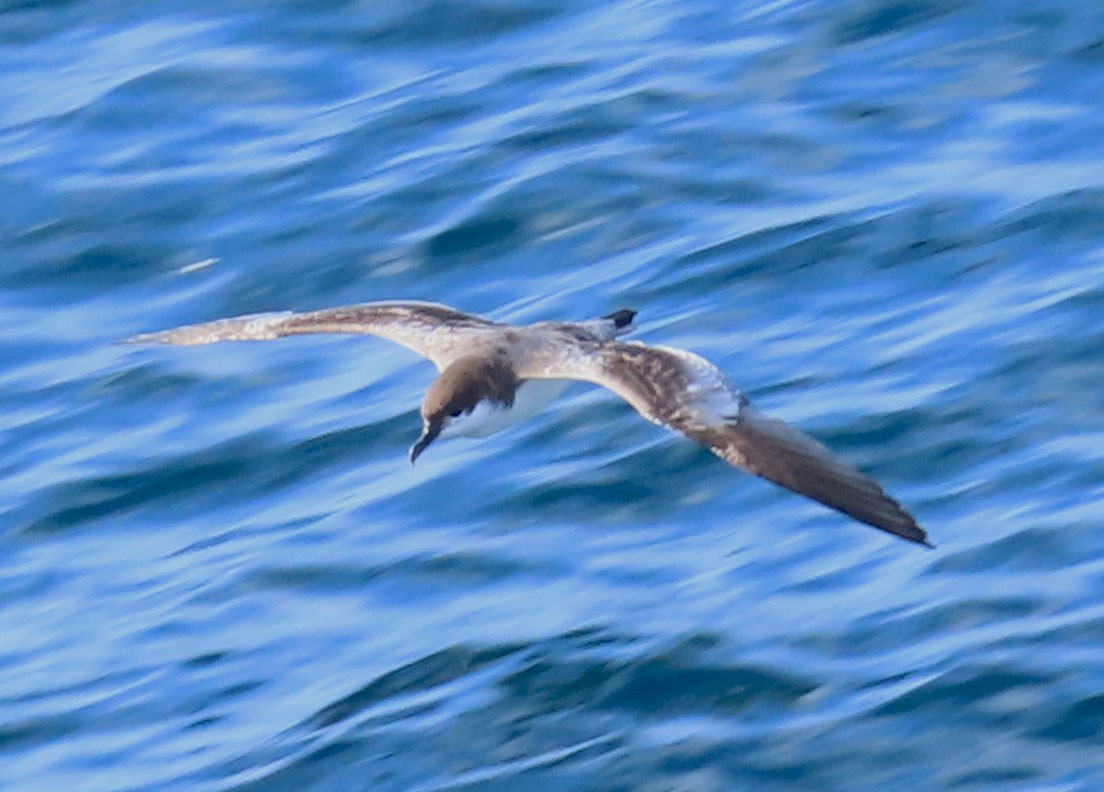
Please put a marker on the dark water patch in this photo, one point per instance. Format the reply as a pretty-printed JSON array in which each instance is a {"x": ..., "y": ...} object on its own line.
[
  {"x": 68, "y": 505},
  {"x": 574, "y": 129},
  {"x": 433, "y": 23},
  {"x": 808, "y": 245},
  {"x": 306, "y": 578},
  {"x": 195, "y": 89},
  {"x": 424, "y": 674},
  {"x": 1074, "y": 216},
  {"x": 990, "y": 778},
  {"x": 98, "y": 267},
  {"x": 866, "y": 20},
  {"x": 473, "y": 235},
  {"x": 206, "y": 660},
  {"x": 36, "y": 731},
  {"x": 661, "y": 687},
  {"x": 1092, "y": 52},
  {"x": 1081, "y": 722},
  {"x": 151, "y": 382},
  {"x": 974, "y": 687},
  {"x": 341, "y": 447},
  {"x": 549, "y": 72},
  {"x": 1031, "y": 549},
  {"x": 420, "y": 577},
  {"x": 671, "y": 465}
]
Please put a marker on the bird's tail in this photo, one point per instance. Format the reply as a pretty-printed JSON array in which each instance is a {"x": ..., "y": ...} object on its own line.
[{"x": 622, "y": 320}]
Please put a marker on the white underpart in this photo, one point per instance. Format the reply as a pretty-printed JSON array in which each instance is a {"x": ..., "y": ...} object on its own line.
[{"x": 486, "y": 419}]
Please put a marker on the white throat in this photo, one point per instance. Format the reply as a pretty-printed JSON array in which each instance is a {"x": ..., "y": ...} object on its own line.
[{"x": 487, "y": 419}]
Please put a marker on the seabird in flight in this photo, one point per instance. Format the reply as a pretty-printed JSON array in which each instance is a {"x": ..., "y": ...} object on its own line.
[{"x": 493, "y": 376}]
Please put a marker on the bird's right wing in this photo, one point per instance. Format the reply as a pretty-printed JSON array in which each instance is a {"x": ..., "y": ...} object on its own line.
[
  {"x": 685, "y": 392},
  {"x": 432, "y": 330}
]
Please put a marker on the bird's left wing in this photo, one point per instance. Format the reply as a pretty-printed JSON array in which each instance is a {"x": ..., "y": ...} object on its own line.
[
  {"x": 432, "y": 330},
  {"x": 685, "y": 392}
]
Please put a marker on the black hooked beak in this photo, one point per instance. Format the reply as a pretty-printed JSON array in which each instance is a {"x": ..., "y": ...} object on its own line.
[{"x": 429, "y": 434}]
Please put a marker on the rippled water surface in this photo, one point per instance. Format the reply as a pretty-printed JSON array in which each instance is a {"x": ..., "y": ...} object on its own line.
[{"x": 217, "y": 569}]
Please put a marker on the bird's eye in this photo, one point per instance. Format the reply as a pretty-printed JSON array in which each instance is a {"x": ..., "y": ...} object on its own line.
[{"x": 455, "y": 413}]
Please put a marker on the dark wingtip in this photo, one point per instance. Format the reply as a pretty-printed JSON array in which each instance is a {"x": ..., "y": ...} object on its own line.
[
  {"x": 622, "y": 318},
  {"x": 913, "y": 533}
]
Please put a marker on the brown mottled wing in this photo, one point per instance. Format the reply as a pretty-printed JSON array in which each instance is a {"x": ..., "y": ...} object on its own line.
[
  {"x": 432, "y": 330},
  {"x": 687, "y": 393},
  {"x": 776, "y": 451}
]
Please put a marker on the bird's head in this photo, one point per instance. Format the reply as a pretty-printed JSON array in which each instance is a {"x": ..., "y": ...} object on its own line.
[{"x": 455, "y": 394}]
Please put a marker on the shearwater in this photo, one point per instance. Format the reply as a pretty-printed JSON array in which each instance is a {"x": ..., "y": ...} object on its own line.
[{"x": 493, "y": 376}]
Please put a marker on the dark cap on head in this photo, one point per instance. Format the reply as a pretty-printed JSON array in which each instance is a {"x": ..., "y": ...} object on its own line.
[{"x": 460, "y": 388}]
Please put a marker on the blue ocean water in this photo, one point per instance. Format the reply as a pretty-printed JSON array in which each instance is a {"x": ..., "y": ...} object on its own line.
[{"x": 885, "y": 220}]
